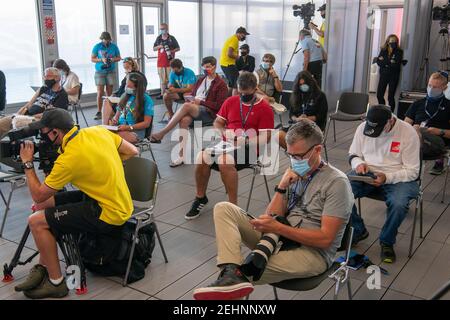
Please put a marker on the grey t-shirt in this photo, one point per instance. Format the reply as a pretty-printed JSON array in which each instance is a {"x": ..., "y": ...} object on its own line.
[{"x": 328, "y": 193}]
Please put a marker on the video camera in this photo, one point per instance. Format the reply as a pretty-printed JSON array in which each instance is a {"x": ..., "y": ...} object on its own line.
[
  {"x": 306, "y": 12},
  {"x": 442, "y": 13},
  {"x": 107, "y": 65},
  {"x": 10, "y": 150}
]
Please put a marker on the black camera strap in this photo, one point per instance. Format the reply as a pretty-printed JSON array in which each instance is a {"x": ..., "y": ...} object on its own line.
[{"x": 73, "y": 135}]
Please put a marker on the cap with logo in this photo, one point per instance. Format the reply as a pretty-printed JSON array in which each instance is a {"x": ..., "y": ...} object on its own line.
[
  {"x": 377, "y": 117},
  {"x": 55, "y": 118},
  {"x": 242, "y": 30}
]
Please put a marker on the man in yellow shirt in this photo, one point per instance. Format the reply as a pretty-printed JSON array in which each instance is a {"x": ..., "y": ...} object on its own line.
[
  {"x": 320, "y": 32},
  {"x": 91, "y": 160},
  {"x": 229, "y": 56}
]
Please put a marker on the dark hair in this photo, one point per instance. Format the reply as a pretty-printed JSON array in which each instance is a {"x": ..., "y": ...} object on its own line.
[
  {"x": 246, "y": 81},
  {"x": 210, "y": 60},
  {"x": 386, "y": 43},
  {"x": 176, "y": 63},
  {"x": 105, "y": 36},
  {"x": 139, "y": 82},
  {"x": 62, "y": 65},
  {"x": 297, "y": 95}
]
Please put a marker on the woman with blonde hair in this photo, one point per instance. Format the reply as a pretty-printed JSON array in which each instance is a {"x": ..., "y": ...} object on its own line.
[{"x": 390, "y": 61}]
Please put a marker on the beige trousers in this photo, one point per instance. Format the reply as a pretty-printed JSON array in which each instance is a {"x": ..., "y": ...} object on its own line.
[
  {"x": 233, "y": 228},
  {"x": 5, "y": 125}
]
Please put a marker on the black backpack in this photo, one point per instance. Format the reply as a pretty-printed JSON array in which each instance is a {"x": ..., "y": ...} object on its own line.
[{"x": 108, "y": 256}]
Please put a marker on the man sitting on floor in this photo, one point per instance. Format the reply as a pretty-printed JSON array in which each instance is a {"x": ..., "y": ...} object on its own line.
[
  {"x": 208, "y": 95},
  {"x": 317, "y": 213},
  {"x": 245, "y": 121},
  {"x": 388, "y": 148},
  {"x": 50, "y": 95}
]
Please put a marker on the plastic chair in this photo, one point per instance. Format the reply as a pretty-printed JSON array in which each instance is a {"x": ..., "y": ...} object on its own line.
[{"x": 146, "y": 145}]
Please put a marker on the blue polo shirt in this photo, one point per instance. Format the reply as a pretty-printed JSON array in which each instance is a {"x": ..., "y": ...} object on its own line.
[
  {"x": 100, "y": 51},
  {"x": 183, "y": 80},
  {"x": 314, "y": 47},
  {"x": 126, "y": 116}
]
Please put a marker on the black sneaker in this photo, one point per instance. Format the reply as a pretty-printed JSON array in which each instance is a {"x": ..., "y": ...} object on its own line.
[
  {"x": 437, "y": 169},
  {"x": 98, "y": 116},
  {"x": 230, "y": 285},
  {"x": 197, "y": 205},
  {"x": 387, "y": 253},
  {"x": 360, "y": 237}
]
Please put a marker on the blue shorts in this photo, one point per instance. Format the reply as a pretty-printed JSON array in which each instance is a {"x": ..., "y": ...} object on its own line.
[{"x": 105, "y": 79}]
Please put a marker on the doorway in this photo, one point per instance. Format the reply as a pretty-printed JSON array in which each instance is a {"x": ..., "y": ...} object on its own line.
[{"x": 136, "y": 26}]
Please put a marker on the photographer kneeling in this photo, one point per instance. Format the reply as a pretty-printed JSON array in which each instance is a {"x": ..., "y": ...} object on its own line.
[
  {"x": 311, "y": 223},
  {"x": 102, "y": 204}
]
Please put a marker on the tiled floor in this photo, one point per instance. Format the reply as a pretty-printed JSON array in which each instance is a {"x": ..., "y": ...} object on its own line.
[{"x": 191, "y": 249}]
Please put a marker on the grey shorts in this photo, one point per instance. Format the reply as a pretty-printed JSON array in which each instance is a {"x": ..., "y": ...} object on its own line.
[
  {"x": 105, "y": 79},
  {"x": 204, "y": 116}
]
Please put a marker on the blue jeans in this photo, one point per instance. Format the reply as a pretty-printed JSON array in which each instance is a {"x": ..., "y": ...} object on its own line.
[{"x": 397, "y": 197}]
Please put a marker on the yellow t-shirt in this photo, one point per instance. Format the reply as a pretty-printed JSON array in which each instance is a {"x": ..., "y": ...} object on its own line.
[
  {"x": 232, "y": 42},
  {"x": 90, "y": 162},
  {"x": 322, "y": 39}
]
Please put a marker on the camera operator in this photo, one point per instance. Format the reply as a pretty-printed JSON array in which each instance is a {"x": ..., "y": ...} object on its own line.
[
  {"x": 102, "y": 204},
  {"x": 313, "y": 55},
  {"x": 105, "y": 54},
  {"x": 320, "y": 32},
  {"x": 50, "y": 95}
]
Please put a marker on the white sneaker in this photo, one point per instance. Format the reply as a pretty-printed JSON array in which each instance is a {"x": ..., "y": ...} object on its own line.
[
  {"x": 178, "y": 162},
  {"x": 278, "y": 107}
]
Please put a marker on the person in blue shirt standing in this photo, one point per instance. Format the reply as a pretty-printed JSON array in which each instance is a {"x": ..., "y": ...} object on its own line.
[
  {"x": 313, "y": 55},
  {"x": 181, "y": 82},
  {"x": 134, "y": 111},
  {"x": 105, "y": 55}
]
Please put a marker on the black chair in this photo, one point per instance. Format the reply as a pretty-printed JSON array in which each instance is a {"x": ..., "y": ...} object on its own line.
[
  {"x": 351, "y": 106},
  {"x": 145, "y": 145},
  {"x": 339, "y": 272},
  {"x": 77, "y": 107}
]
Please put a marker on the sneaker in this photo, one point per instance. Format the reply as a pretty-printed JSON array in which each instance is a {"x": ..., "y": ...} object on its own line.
[
  {"x": 48, "y": 290},
  {"x": 176, "y": 163},
  {"x": 98, "y": 116},
  {"x": 387, "y": 253},
  {"x": 360, "y": 237},
  {"x": 230, "y": 285},
  {"x": 197, "y": 205},
  {"x": 34, "y": 279},
  {"x": 438, "y": 168}
]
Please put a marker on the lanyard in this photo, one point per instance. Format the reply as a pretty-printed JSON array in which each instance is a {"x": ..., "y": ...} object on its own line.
[
  {"x": 294, "y": 199},
  {"x": 180, "y": 83},
  {"x": 128, "y": 108},
  {"x": 206, "y": 90},
  {"x": 439, "y": 108},
  {"x": 244, "y": 121}
]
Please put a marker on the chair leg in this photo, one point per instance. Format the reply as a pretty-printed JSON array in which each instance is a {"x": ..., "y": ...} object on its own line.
[
  {"x": 160, "y": 242},
  {"x": 275, "y": 293},
  {"x": 84, "y": 117},
  {"x": 7, "y": 208},
  {"x": 251, "y": 190},
  {"x": 337, "y": 287},
  {"x": 359, "y": 207},
  {"x": 153, "y": 157},
  {"x": 349, "y": 289},
  {"x": 267, "y": 188},
  {"x": 334, "y": 130},
  {"x": 411, "y": 242},
  {"x": 327, "y": 129},
  {"x": 130, "y": 258}
]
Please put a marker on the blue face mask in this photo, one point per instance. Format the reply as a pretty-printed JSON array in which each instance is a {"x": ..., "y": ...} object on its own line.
[
  {"x": 265, "y": 65},
  {"x": 304, "y": 88},
  {"x": 300, "y": 167},
  {"x": 129, "y": 91},
  {"x": 163, "y": 31},
  {"x": 434, "y": 94}
]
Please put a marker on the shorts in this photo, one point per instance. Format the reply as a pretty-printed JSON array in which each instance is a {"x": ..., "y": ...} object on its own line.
[
  {"x": 164, "y": 73},
  {"x": 204, "y": 116},
  {"x": 76, "y": 213},
  {"x": 140, "y": 134},
  {"x": 238, "y": 166},
  {"x": 232, "y": 74},
  {"x": 105, "y": 79}
]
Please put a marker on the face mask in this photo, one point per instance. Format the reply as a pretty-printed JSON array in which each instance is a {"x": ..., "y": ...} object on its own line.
[
  {"x": 434, "y": 93},
  {"x": 129, "y": 91},
  {"x": 323, "y": 16},
  {"x": 265, "y": 65},
  {"x": 300, "y": 167},
  {"x": 163, "y": 31},
  {"x": 243, "y": 38},
  {"x": 49, "y": 83},
  {"x": 304, "y": 88},
  {"x": 207, "y": 72},
  {"x": 244, "y": 53},
  {"x": 105, "y": 43},
  {"x": 47, "y": 139},
  {"x": 393, "y": 45},
  {"x": 247, "y": 97}
]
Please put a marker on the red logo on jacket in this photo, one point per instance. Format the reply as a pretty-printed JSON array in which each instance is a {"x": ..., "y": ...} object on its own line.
[{"x": 395, "y": 147}]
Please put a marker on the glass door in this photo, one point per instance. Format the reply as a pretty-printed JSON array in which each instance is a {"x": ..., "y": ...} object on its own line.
[{"x": 136, "y": 27}]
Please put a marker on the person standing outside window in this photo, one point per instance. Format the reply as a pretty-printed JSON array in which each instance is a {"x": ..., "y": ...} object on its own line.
[
  {"x": 229, "y": 56},
  {"x": 390, "y": 61},
  {"x": 166, "y": 45},
  {"x": 105, "y": 55},
  {"x": 313, "y": 55},
  {"x": 320, "y": 32}
]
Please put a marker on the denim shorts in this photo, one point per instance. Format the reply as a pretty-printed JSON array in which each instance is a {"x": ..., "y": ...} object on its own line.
[{"x": 105, "y": 79}]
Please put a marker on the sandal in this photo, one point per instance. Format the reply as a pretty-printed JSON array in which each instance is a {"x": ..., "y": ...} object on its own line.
[{"x": 153, "y": 140}]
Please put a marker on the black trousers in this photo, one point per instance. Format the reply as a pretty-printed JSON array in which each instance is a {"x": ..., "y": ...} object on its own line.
[
  {"x": 386, "y": 80},
  {"x": 315, "y": 68}
]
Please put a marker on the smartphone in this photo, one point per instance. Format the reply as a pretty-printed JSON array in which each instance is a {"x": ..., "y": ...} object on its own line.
[{"x": 248, "y": 214}]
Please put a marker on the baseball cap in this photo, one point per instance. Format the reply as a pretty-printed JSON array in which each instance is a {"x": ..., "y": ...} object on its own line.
[
  {"x": 105, "y": 36},
  {"x": 54, "y": 118},
  {"x": 377, "y": 117},
  {"x": 322, "y": 7},
  {"x": 242, "y": 30}
]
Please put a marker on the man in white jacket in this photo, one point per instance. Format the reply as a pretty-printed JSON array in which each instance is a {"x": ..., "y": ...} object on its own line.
[{"x": 389, "y": 148}]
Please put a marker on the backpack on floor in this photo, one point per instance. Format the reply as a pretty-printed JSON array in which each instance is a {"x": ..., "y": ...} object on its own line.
[{"x": 109, "y": 257}]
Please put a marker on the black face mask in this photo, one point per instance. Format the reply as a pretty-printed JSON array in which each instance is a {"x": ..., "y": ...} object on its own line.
[
  {"x": 243, "y": 38},
  {"x": 244, "y": 53},
  {"x": 393, "y": 45},
  {"x": 49, "y": 83},
  {"x": 323, "y": 16},
  {"x": 47, "y": 139},
  {"x": 246, "y": 98}
]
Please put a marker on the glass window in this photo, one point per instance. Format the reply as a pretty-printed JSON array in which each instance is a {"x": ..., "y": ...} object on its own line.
[
  {"x": 181, "y": 15},
  {"x": 125, "y": 34},
  {"x": 79, "y": 25},
  {"x": 150, "y": 25},
  {"x": 21, "y": 57}
]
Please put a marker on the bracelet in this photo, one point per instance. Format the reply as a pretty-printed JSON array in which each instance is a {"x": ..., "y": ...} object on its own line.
[{"x": 131, "y": 128}]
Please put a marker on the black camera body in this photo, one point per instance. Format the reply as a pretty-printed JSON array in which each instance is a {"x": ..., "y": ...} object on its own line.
[
  {"x": 10, "y": 150},
  {"x": 107, "y": 65},
  {"x": 442, "y": 13},
  {"x": 305, "y": 11}
]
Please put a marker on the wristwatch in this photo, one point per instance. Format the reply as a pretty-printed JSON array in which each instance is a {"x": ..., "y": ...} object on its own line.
[
  {"x": 28, "y": 165},
  {"x": 442, "y": 133},
  {"x": 131, "y": 128},
  {"x": 282, "y": 191}
]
